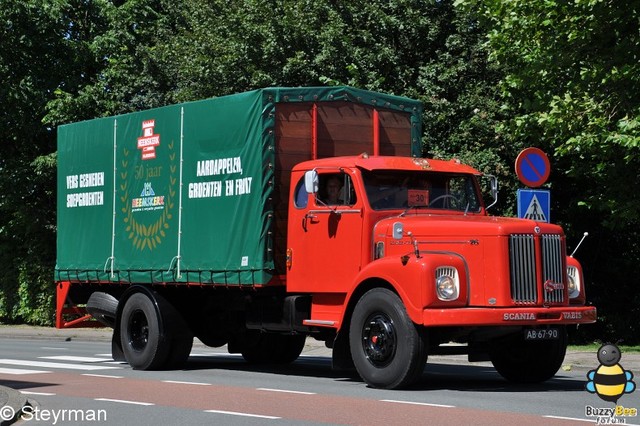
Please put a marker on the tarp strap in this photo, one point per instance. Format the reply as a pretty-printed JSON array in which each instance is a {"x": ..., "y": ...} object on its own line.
[
  {"x": 178, "y": 257},
  {"x": 111, "y": 259},
  {"x": 314, "y": 131}
]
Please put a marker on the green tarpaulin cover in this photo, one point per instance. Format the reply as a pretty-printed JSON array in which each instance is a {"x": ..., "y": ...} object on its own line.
[{"x": 176, "y": 194}]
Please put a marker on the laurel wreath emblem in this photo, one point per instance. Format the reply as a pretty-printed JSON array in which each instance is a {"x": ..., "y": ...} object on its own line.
[{"x": 147, "y": 236}]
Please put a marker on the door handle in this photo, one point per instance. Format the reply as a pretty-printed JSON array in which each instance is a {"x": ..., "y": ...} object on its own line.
[{"x": 309, "y": 217}]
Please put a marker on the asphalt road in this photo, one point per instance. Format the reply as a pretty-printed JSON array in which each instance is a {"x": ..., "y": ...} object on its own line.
[{"x": 68, "y": 377}]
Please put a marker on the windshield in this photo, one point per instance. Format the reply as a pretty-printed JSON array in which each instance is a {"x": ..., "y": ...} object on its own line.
[{"x": 398, "y": 189}]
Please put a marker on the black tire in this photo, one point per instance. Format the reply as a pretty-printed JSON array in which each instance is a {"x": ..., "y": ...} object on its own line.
[
  {"x": 522, "y": 361},
  {"x": 116, "y": 347},
  {"x": 103, "y": 308},
  {"x": 180, "y": 350},
  {"x": 179, "y": 335},
  {"x": 292, "y": 348},
  {"x": 269, "y": 348},
  {"x": 143, "y": 347},
  {"x": 388, "y": 349}
]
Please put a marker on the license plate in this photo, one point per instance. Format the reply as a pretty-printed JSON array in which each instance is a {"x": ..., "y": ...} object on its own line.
[{"x": 541, "y": 334}]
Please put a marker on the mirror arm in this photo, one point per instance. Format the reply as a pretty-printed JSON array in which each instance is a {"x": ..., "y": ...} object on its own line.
[{"x": 494, "y": 191}]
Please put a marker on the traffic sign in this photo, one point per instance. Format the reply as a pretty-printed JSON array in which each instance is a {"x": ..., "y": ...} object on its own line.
[
  {"x": 534, "y": 204},
  {"x": 533, "y": 167}
]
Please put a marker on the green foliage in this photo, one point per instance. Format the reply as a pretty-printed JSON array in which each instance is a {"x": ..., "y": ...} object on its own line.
[
  {"x": 36, "y": 291},
  {"x": 33, "y": 60},
  {"x": 572, "y": 74}
]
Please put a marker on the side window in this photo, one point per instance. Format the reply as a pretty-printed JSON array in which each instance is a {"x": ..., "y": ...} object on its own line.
[
  {"x": 301, "y": 198},
  {"x": 336, "y": 189}
]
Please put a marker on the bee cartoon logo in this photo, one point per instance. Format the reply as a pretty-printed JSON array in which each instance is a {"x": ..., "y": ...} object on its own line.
[{"x": 610, "y": 381}]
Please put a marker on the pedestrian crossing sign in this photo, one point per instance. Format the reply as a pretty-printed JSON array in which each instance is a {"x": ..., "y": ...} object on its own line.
[{"x": 534, "y": 204}]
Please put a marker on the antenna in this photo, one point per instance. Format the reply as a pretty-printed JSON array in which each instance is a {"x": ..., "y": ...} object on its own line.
[{"x": 586, "y": 234}]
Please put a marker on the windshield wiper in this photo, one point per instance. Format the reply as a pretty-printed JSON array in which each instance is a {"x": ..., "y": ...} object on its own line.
[{"x": 409, "y": 208}]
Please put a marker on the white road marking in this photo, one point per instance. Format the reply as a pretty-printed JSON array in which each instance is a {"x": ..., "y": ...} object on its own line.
[
  {"x": 103, "y": 375},
  {"x": 286, "y": 391},
  {"x": 224, "y": 354},
  {"x": 418, "y": 403},
  {"x": 178, "y": 382},
  {"x": 54, "y": 349},
  {"x": 76, "y": 358},
  {"x": 123, "y": 401},
  {"x": 37, "y": 393},
  {"x": 235, "y": 413},
  {"x": 570, "y": 418},
  {"x": 18, "y": 371},
  {"x": 43, "y": 364}
]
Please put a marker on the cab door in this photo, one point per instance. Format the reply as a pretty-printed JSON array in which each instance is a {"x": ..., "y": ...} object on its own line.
[{"x": 325, "y": 239}]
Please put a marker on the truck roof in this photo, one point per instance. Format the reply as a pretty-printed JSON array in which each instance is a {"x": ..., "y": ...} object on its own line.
[{"x": 369, "y": 162}]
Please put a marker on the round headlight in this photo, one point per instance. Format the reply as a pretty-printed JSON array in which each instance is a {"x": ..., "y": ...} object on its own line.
[
  {"x": 446, "y": 287},
  {"x": 574, "y": 282}
]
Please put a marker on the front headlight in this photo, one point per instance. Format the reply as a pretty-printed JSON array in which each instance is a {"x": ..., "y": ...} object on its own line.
[
  {"x": 574, "y": 282},
  {"x": 447, "y": 283}
]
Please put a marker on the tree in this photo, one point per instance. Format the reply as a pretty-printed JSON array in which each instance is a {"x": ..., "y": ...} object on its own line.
[
  {"x": 32, "y": 42},
  {"x": 571, "y": 81}
]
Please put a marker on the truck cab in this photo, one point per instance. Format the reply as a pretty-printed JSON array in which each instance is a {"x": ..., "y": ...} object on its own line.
[{"x": 409, "y": 253}]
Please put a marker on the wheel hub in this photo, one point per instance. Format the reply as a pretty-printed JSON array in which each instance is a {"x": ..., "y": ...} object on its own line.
[
  {"x": 138, "y": 331},
  {"x": 379, "y": 339}
]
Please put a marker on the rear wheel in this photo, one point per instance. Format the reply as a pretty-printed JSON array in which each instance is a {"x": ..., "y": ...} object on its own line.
[
  {"x": 153, "y": 338},
  {"x": 523, "y": 361},
  {"x": 140, "y": 334},
  {"x": 388, "y": 350}
]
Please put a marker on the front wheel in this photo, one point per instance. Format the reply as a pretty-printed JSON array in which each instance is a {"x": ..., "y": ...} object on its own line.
[
  {"x": 388, "y": 350},
  {"x": 528, "y": 361}
]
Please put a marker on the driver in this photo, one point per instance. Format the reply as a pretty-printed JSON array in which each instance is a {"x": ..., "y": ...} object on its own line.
[{"x": 333, "y": 187}]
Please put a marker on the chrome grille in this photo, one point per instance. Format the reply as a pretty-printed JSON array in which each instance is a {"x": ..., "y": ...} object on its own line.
[
  {"x": 522, "y": 257},
  {"x": 523, "y": 269},
  {"x": 552, "y": 267}
]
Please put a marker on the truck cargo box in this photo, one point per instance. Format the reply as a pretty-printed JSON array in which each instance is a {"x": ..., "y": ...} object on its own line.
[{"x": 198, "y": 192}]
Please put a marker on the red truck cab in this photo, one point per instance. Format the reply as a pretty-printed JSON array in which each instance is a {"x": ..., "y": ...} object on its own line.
[{"x": 409, "y": 254}]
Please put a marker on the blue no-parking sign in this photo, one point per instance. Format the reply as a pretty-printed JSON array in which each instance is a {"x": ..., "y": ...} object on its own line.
[
  {"x": 534, "y": 204},
  {"x": 533, "y": 167}
]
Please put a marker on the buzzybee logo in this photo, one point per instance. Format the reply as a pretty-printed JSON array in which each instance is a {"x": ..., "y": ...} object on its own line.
[{"x": 610, "y": 381}]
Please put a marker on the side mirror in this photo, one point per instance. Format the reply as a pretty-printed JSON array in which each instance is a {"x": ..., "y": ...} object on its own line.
[
  {"x": 493, "y": 181},
  {"x": 311, "y": 182}
]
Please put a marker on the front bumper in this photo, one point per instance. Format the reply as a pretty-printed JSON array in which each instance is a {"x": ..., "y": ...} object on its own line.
[{"x": 508, "y": 316}]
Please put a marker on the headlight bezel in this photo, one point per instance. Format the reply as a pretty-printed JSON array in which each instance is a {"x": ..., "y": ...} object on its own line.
[
  {"x": 447, "y": 283},
  {"x": 574, "y": 284}
]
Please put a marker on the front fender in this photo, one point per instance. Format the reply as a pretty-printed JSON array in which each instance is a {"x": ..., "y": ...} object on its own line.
[{"x": 413, "y": 279}]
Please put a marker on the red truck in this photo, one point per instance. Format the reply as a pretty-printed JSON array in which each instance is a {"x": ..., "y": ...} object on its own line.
[{"x": 259, "y": 219}]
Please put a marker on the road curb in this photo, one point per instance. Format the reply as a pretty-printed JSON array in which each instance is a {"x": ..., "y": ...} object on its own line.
[{"x": 11, "y": 404}]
